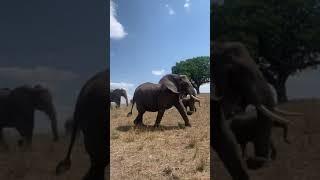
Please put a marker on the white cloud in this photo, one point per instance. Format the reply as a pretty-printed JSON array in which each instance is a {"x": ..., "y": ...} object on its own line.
[
  {"x": 48, "y": 77},
  {"x": 158, "y": 72},
  {"x": 170, "y": 10},
  {"x": 187, "y": 5},
  {"x": 124, "y": 85},
  {"x": 39, "y": 73},
  {"x": 205, "y": 88},
  {"x": 116, "y": 29}
]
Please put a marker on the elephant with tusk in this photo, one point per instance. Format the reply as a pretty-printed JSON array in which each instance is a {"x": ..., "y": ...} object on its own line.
[
  {"x": 243, "y": 125},
  {"x": 115, "y": 96},
  {"x": 159, "y": 97},
  {"x": 237, "y": 78}
]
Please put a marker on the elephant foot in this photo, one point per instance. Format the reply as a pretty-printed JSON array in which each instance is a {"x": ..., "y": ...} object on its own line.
[
  {"x": 256, "y": 162},
  {"x": 187, "y": 124},
  {"x": 189, "y": 113},
  {"x": 287, "y": 141}
]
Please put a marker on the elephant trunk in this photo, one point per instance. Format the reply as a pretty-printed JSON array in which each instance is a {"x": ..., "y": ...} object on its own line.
[
  {"x": 126, "y": 97},
  {"x": 54, "y": 124}
]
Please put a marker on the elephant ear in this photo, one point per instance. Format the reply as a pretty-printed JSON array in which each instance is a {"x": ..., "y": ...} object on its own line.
[{"x": 169, "y": 82}]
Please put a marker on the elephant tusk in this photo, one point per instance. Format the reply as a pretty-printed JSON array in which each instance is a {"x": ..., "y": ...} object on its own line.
[
  {"x": 270, "y": 114},
  {"x": 195, "y": 98},
  {"x": 287, "y": 113}
]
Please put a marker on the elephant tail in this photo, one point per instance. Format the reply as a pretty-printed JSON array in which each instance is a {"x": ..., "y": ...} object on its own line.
[
  {"x": 65, "y": 164},
  {"x": 130, "y": 113}
]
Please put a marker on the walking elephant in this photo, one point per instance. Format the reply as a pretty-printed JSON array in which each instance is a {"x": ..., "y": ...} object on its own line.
[
  {"x": 159, "y": 97},
  {"x": 237, "y": 78},
  {"x": 91, "y": 116},
  {"x": 17, "y": 107},
  {"x": 115, "y": 96}
]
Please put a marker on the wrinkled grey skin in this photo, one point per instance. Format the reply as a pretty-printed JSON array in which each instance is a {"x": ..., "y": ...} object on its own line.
[
  {"x": 17, "y": 107},
  {"x": 238, "y": 79},
  {"x": 159, "y": 97},
  {"x": 243, "y": 125},
  {"x": 115, "y": 96},
  {"x": 91, "y": 116},
  {"x": 189, "y": 102}
]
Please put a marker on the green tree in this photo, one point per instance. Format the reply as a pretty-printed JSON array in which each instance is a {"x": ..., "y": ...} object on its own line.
[
  {"x": 197, "y": 69},
  {"x": 282, "y": 36}
]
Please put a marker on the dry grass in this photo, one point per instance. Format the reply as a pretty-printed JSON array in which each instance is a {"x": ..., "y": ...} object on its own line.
[
  {"x": 296, "y": 161},
  {"x": 40, "y": 161},
  {"x": 169, "y": 152}
]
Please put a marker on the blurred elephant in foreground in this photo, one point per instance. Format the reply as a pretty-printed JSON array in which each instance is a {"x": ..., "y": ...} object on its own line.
[
  {"x": 239, "y": 81},
  {"x": 243, "y": 125},
  {"x": 91, "y": 116},
  {"x": 159, "y": 97},
  {"x": 115, "y": 96},
  {"x": 17, "y": 107}
]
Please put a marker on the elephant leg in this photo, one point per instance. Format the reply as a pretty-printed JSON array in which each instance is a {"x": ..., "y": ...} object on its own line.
[
  {"x": 3, "y": 143},
  {"x": 243, "y": 149},
  {"x": 159, "y": 117},
  {"x": 98, "y": 156},
  {"x": 139, "y": 118},
  {"x": 183, "y": 113},
  {"x": 26, "y": 134},
  {"x": 273, "y": 150}
]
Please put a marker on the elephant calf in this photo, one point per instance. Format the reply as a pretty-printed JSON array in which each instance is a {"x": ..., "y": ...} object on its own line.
[
  {"x": 159, "y": 97},
  {"x": 189, "y": 102},
  {"x": 243, "y": 125}
]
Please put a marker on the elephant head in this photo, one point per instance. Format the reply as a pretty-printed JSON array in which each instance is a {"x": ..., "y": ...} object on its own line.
[
  {"x": 42, "y": 100},
  {"x": 178, "y": 84}
]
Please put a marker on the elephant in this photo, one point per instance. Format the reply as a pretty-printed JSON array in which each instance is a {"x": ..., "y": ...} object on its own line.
[
  {"x": 159, "y": 97},
  {"x": 190, "y": 102},
  {"x": 91, "y": 116},
  {"x": 115, "y": 96},
  {"x": 237, "y": 78},
  {"x": 17, "y": 107},
  {"x": 243, "y": 125}
]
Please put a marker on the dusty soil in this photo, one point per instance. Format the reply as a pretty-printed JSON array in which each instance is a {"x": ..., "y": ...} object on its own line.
[
  {"x": 299, "y": 160},
  {"x": 40, "y": 161},
  {"x": 169, "y": 152}
]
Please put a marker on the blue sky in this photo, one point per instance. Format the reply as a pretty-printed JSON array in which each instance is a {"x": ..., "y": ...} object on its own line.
[{"x": 149, "y": 37}]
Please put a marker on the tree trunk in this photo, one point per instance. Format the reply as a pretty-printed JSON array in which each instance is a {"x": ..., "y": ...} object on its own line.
[
  {"x": 281, "y": 89},
  {"x": 198, "y": 89}
]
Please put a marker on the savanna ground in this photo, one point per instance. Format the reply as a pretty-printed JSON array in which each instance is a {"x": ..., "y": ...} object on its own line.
[
  {"x": 299, "y": 160},
  {"x": 40, "y": 161},
  {"x": 168, "y": 152}
]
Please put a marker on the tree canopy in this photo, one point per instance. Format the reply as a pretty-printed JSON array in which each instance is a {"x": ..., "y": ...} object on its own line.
[
  {"x": 197, "y": 69},
  {"x": 282, "y": 36}
]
